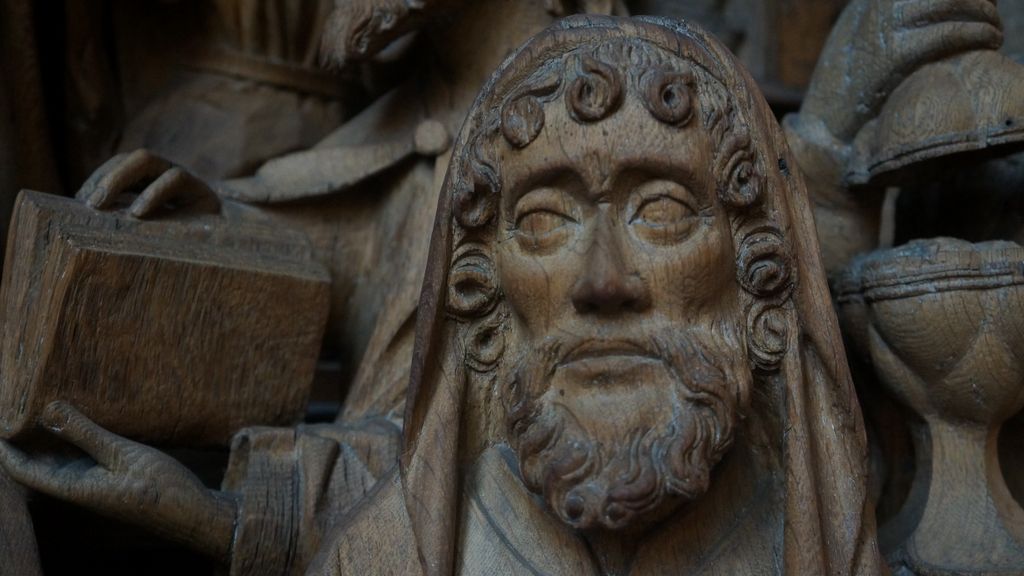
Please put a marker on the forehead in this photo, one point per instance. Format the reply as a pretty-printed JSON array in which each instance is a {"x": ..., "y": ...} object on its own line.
[
  {"x": 628, "y": 141},
  {"x": 630, "y": 138}
]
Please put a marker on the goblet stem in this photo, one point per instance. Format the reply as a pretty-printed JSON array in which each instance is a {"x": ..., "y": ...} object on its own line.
[{"x": 970, "y": 523}]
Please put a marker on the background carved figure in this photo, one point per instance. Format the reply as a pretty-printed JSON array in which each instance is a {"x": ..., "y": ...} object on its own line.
[
  {"x": 935, "y": 132},
  {"x": 899, "y": 82}
]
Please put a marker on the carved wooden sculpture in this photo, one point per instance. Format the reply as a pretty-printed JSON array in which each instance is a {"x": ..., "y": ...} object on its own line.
[
  {"x": 899, "y": 82},
  {"x": 903, "y": 90},
  {"x": 626, "y": 357},
  {"x": 517, "y": 462},
  {"x": 365, "y": 194},
  {"x": 778, "y": 41},
  {"x": 940, "y": 321},
  {"x": 626, "y": 360},
  {"x": 244, "y": 84},
  {"x": 178, "y": 332}
]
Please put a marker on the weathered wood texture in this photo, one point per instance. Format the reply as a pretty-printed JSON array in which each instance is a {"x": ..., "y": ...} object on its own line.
[
  {"x": 174, "y": 332},
  {"x": 18, "y": 553},
  {"x": 941, "y": 322},
  {"x": 913, "y": 99},
  {"x": 897, "y": 84},
  {"x": 778, "y": 41},
  {"x": 626, "y": 360},
  {"x": 783, "y": 472}
]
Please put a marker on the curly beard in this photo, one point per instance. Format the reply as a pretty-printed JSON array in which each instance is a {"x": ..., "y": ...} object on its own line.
[{"x": 596, "y": 470}]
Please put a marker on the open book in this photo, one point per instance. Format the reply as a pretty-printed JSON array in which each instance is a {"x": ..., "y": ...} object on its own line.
[{"x": 173, "y": 332}]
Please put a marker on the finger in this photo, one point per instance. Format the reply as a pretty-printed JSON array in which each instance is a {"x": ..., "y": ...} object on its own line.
[
  {"x": 918, "y": 13},
  {"x": 69, "y": 424},
  {"x": 942, "y": 40},
  {"x": 39, "y": 475},
  {"x": 137, "y": 167},
  {"x": 88, "y": 188},
  {"x": 174, "y": 185}
]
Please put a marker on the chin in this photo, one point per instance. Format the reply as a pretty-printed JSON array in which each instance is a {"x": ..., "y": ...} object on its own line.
[
  {"x": 618, "y": 442},
  {"x": 620, "y": 460},
  {"x": 614, "y": 517}
]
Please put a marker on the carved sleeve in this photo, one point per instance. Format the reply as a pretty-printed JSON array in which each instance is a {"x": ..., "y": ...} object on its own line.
[{"x": 293, "y": 484}]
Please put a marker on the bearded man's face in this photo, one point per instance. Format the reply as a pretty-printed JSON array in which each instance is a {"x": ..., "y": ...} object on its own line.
[{"x": 626, "y": 367}]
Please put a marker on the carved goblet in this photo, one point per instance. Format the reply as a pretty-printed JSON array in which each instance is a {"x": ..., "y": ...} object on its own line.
[{"x": 942, "y": 322}]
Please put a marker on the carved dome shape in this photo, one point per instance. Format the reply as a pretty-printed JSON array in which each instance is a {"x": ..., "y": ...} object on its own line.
[{"x": 962, "y": 104}]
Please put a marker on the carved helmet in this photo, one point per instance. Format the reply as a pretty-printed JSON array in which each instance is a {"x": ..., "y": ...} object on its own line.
[{"x": 966, "y": 103}]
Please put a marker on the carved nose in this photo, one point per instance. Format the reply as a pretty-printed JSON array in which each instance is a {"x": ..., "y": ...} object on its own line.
[{"x": 605, "y": 286}]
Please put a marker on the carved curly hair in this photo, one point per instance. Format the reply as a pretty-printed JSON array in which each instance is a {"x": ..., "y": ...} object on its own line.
[{"x": 594, "y": 82}]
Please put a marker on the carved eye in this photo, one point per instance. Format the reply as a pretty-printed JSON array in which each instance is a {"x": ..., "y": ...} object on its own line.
[
  {"x": 541, "y": 222},
  {"x": 664, "y": 212},
  {"x": 544, "y": 219}
]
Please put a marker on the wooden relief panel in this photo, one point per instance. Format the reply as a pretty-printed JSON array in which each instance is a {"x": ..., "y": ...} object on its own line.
[
  {"x": 625, "y": 361},
  {"x": 611, "y": 350}
]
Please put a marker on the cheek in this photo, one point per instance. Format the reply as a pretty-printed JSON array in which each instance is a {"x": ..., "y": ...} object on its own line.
[
  {"x": 535, "y": 287},
  {"x": 697, "y": 278}
]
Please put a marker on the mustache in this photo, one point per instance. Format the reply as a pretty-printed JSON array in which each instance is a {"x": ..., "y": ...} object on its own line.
[
  {"x": 560, "y": 349},
  {"x": 686, "y": 353},
  {"x": 679, "y": 348},
  {"x": 589, "y": 481},
  {"x": 670, "y": 344}
]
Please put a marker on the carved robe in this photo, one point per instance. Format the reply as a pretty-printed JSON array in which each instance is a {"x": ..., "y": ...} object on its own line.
[{"x": 295, "y": 484}]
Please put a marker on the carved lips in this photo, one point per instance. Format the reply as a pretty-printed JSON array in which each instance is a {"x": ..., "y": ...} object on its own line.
[{"x": 606, "y": 357}]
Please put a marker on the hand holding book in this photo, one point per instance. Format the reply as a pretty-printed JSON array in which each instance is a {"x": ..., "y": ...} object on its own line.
[
  {"x": 161, "y": 183},
  {"x": 127, "y": 481}
]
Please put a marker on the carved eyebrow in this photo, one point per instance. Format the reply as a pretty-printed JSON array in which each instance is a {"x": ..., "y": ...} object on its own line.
[
  {"x": 557, "y": 176},
  {"x": 644, "y": 171},
  {"x": 635, "y": 172},
  {"x": 548, "y": 199}
]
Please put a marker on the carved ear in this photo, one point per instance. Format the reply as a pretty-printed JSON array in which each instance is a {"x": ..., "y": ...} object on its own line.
[
  {"x": 472, "y": 287},
  {"x": 764, "y": 270}
]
